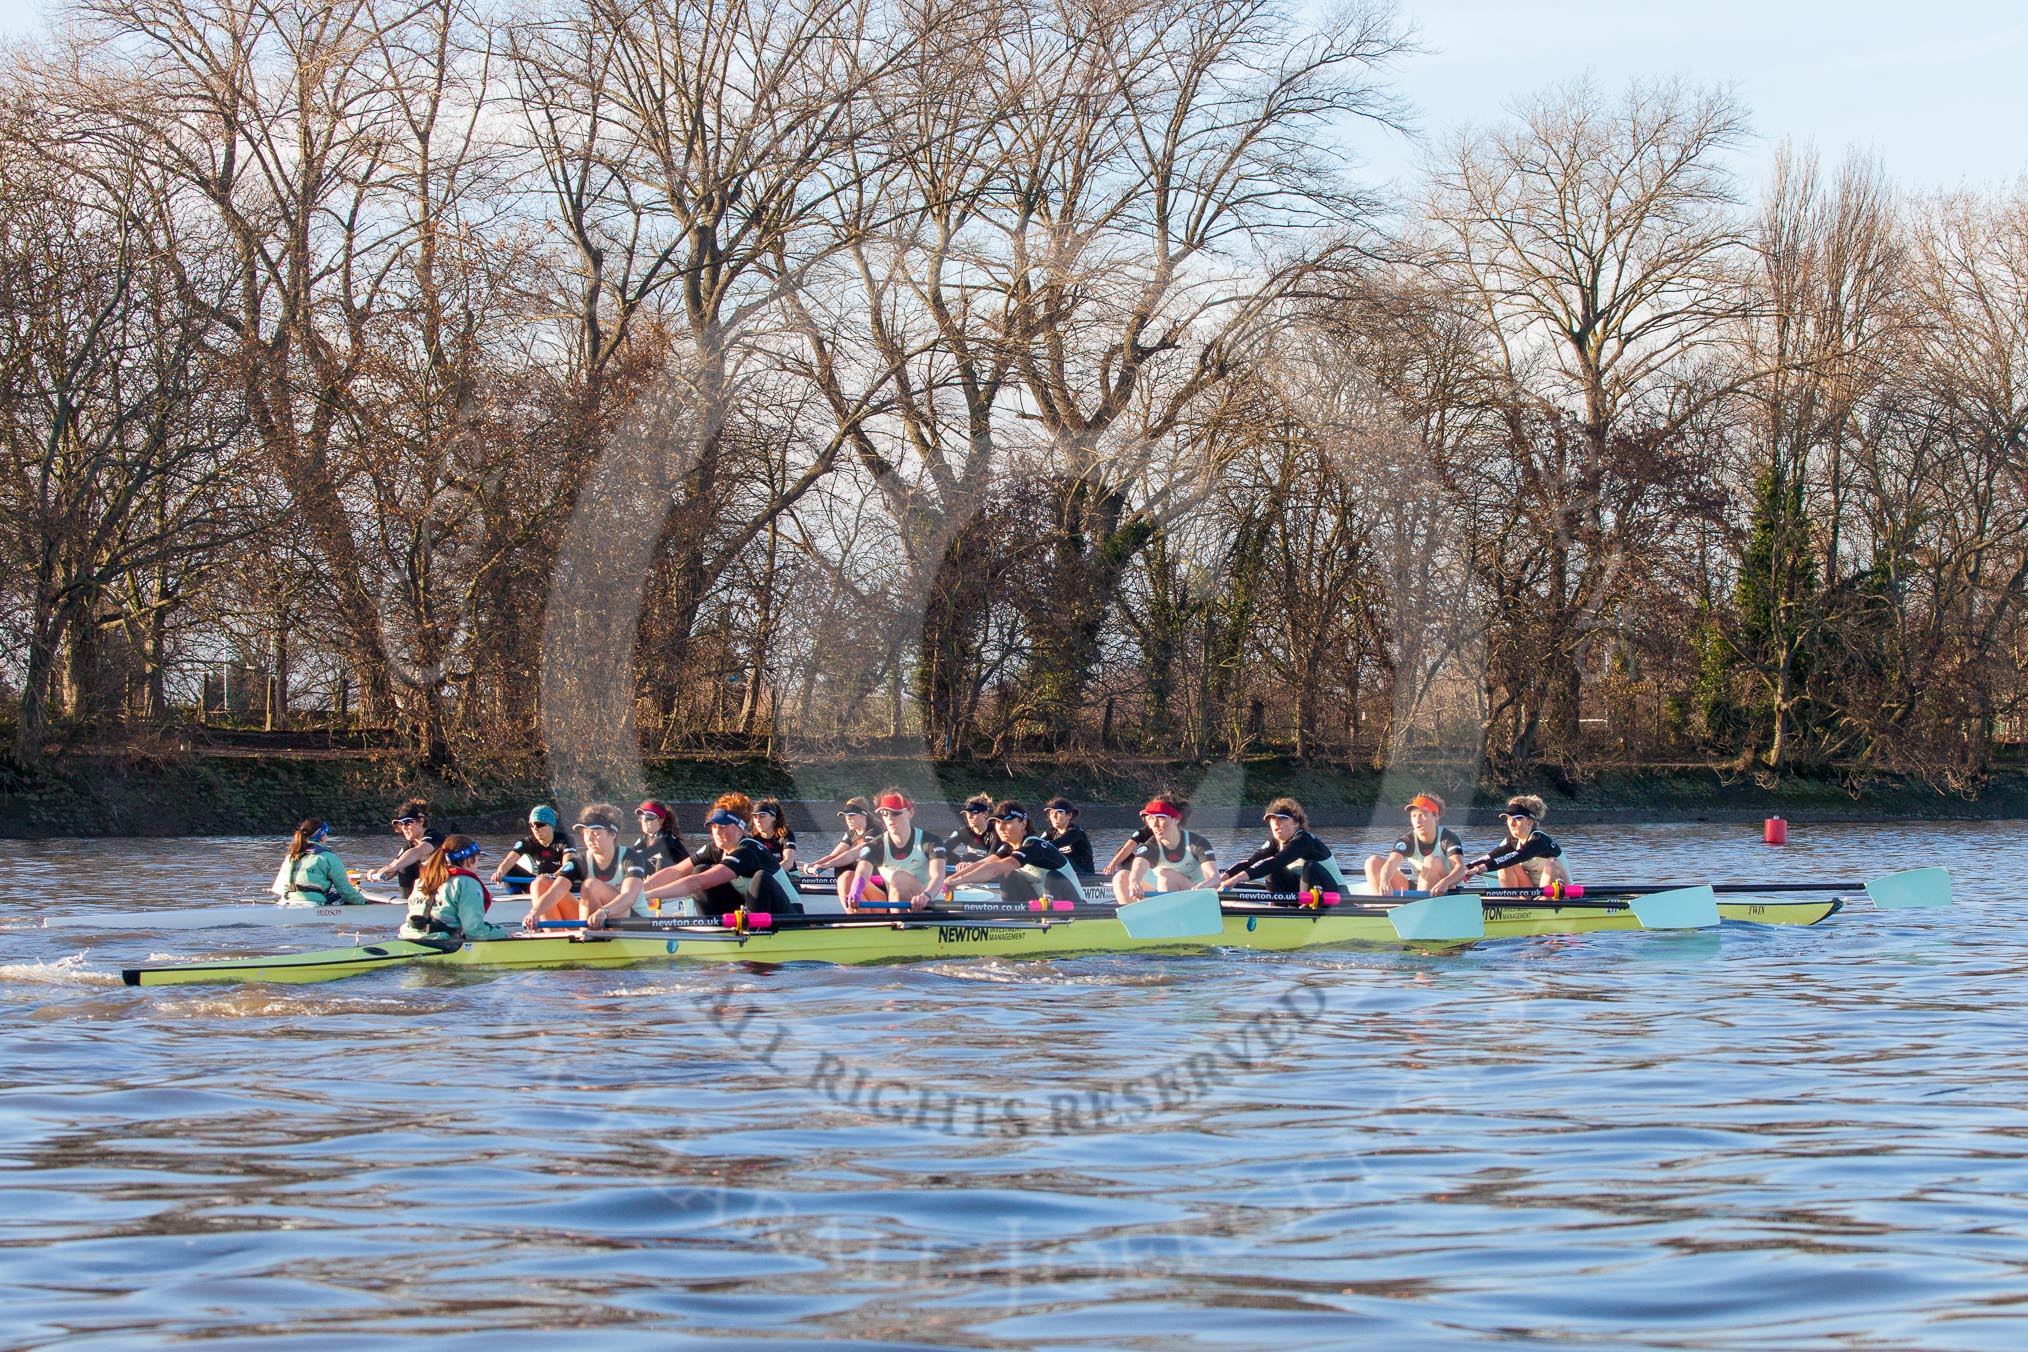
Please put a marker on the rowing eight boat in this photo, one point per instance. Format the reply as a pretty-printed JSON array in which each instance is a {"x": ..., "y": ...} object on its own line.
[{"x": 935, "y": 934}]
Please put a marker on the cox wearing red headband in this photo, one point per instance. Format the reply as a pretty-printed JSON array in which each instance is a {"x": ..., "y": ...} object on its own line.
[
  {"x": 1166, "y": 861},
  {"x": 1428, "y": 857},
  {"x": 902, "y": 863}
]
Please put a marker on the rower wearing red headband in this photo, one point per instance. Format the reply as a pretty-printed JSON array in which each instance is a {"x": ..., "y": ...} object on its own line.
[
  {"x": 1166, "y": 862},
  {"x": 903, "y": 862},
  {"x": 1428, "y": 857}
]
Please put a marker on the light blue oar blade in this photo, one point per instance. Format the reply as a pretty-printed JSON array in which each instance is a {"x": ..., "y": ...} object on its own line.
[
  {"x": 1911, "y": 888},
  {"x": 1684, "y": 908},
  {"x": 1453, "y": 917},
  {"x": 1174, "y": 915}
]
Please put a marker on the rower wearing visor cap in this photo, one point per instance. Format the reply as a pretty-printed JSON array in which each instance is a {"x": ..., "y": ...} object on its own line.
[
  {"x": 843, "y": 858},
  {"x": 1027, "y": 867},
  {"x": 1527, "y": 857},
  {"x": 1172, "y": 860},
  {"x": 606, "y": 875},
  {"x": 902, "y": 862},
  {"x": 974, "y": 839},
  {"x": 735, "y": 871},
  {"x": 1428, "y": 856},
  {"x": 419, "y": 841},
  {"x": 1066, "y": 835},
  {"x": 1291, "y": 861}
]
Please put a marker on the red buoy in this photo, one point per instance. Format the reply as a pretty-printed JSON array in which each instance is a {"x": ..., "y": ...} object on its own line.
[{"x": 1775, "y": 831}]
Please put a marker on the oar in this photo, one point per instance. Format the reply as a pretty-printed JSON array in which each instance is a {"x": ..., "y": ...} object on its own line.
[
  {"x": 1911, "y": 889},
  {"x": 1680, "y": 908},
  {"x": 1455, "y": 917},
  {"x": 1194, "y": 914}
]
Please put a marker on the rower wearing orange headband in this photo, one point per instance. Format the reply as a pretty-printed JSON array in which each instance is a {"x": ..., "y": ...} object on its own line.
[
  {"x": 903, "y": 861},
  {"x": 1427, "y": 857}
]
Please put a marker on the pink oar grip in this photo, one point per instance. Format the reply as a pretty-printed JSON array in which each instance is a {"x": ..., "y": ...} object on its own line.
[{"x": 755, "y": 920}]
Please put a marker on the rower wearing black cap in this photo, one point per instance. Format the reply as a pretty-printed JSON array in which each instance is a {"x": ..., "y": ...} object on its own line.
[
  {"x": 1027, "y": 867},
  {"x": 975, "y": 839},
  {"x": 1291, "y": 861},
  {"x": 1066, "y": 835},
  {"x": 419, "y": 841},
  {"x": 857, "y": 819},
  {"x": 1527, "y": 857}
]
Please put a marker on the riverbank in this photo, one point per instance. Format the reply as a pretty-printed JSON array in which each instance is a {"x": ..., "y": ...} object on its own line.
[{"x": 266, "y": 794}]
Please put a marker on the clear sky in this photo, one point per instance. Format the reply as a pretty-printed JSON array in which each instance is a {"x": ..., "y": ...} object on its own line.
[{"x": 1939, "y": 90}]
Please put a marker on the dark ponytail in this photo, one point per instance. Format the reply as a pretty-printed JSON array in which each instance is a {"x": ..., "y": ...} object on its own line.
[{"x": 308, "y": 832}]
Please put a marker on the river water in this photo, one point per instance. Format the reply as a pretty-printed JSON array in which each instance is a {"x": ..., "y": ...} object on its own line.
[{"x": 1756, "y": 1138}]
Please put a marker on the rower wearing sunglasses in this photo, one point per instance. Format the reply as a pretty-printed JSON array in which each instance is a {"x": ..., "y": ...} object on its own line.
[
  {"x": 1291, "y": 860},
  {"x": 606, "y": 875},
  {"x": 975, "y": 839},
  {"x": 902, "y": 863},
  {"x": 1027, "y": 867},
  {"x": 1527, "y": 857},
  {"x": 1427, "y": 856},
  {"x": 1172, "y": 860},
  {"x": 734, "y": 872},
  {"x": 843, "y": 858},
  {"x": 419, "y": 841}
]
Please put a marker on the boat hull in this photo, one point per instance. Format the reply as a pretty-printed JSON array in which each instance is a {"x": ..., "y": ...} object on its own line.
[{"x": 925, "y": 937}]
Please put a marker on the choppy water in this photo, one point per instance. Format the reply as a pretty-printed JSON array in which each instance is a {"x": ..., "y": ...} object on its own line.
[{"x": 1759, "y": 1138}]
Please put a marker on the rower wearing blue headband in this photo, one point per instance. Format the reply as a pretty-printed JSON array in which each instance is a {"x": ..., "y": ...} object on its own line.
[
  {"x": 450, "y": 901},
  {"x": 312, "y": 875},
  {"x": 735, "y": 871}
]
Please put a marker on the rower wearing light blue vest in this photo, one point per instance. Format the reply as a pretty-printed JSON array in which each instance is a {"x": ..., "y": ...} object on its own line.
[
  {"x": 450, "y": 900},
  {"x": 313, "y": 875}
]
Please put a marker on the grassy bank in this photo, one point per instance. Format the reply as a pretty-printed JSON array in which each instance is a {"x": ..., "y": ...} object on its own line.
[{"x": 199, "y": 794}]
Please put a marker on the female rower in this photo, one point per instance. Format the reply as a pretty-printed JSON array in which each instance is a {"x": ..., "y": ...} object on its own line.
[
  {"x": 1120, "y": 867},
  {"x": 1026, "y": 866},
  {"x": 975, "y": 839},
  {"x": 538, "y": 854},
  {"x": 606, "y": 875},
  {"x": 313, "y": 876},
  {"x": 1068, "y": 837},
  {"x": 902, "y": 862},
  {"x": 771, "y": 829},
  {"x": 1427, "y": 856},
  {"x": 450, "y": 901},
  {"x": 734, "y": 871},
  {"x": 1526, "y": 858},
  {"x": 1292, "y": 860},
  {"x": 659, "y": 846},
  {"x": 1173, "y": 859},
  {"x": 419, "y": 840},
  {"x": 842, "y": 858}
]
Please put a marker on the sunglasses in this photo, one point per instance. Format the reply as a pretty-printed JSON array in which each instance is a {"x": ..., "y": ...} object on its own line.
[
  {"x": 648, "y": 816},
  {"x": 888, "y": 813}
]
